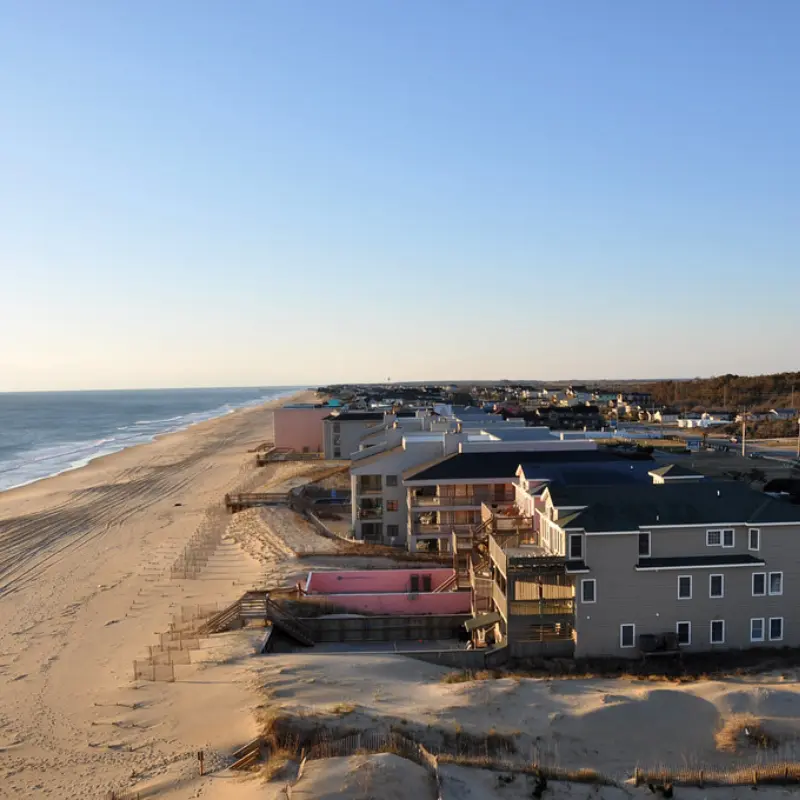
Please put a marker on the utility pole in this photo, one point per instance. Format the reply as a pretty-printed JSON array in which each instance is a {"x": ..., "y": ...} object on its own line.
[
  {"x": 798, "y": 437},
  {"x": 744, "y": 434}
]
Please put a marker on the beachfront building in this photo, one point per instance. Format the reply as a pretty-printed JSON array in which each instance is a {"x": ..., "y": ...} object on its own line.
[
  {"x": 630, "y": 569},
  {"x": 445, "y": 498},
  {"x": 298, "y": 426},
  {"x": 342, "y": 431},
  {"x": 389, "y": 454},
  {"x": 376, "y": 478}
]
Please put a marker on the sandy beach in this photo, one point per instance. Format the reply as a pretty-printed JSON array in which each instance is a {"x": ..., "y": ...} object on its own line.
[{"x": 85, "y": 588}]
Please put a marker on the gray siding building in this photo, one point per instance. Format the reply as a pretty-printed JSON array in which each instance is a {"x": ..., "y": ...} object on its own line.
[
  {"x": 342, "y": 432},
  {"x": 708, "y": 566}
]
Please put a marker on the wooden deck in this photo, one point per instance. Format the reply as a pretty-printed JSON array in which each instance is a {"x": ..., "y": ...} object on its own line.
[
  {"x": 241, "y": 501},
  {"x": 280, "y": 454}
]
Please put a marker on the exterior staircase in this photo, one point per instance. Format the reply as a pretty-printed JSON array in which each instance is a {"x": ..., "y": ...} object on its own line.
[{"x": 258, "y": 606}]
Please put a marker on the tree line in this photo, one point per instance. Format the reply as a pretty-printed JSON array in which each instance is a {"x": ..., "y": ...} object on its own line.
[{"x": 727, "y": 392}]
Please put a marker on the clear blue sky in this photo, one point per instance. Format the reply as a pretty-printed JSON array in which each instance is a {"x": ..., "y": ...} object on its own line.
[{"x": 217, "y": 193}]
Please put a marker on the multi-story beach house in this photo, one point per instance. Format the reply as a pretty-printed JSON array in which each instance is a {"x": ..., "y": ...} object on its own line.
[
  {"x": 342, "y": 431},
  {"x": 389, "y": 456},
  {"x": 631, "y": 568}
]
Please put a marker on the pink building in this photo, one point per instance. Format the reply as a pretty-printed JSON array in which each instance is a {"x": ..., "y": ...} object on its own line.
[
  {"x": 299, "y": 427},
  {"x": 403, "y": 592}
]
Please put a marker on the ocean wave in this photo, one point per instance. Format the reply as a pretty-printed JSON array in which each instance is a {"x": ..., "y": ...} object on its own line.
[{"x": 46, "y": 461}]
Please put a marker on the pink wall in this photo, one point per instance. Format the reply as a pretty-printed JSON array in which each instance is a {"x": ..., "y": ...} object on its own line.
[
  {"x": 299, "y": 428},
  {"x": 404, "y": 604},
  {"x": 372, "y": 581}
]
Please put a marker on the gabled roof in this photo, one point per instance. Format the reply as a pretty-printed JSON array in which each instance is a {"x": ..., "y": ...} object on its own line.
[
  {"x": 595, "y": 467},
  {"x": 628, "y": 508},
  {"x": 675, "y": 471}
]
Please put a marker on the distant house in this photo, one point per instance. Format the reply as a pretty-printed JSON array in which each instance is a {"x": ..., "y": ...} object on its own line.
[
  {"x": 785, "y": 413},
  {"x": 604, "y": 398},
  {"x": 665, "y": 416},
  {"x": 718, "y": 416},
  {"x": 635, "y": 398},
  {"x": 754, "y": 416},
  {"x": 709, "y": 418},
  {"x": 575, "y": 417}
]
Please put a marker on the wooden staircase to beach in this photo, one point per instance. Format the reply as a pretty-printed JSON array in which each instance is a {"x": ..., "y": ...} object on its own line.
[
  {"x": 288, "y": 624},
  {"x": 257, "y": 606}
]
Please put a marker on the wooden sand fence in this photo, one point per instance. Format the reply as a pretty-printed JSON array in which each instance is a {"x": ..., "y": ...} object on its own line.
[
  {"x": 477, "y": 754},
  {"x": 781, "y": 773},
  {"x": 121, "y": 794},
  {"x": 175, "y": 645},
  {"x": 201, "y": 546}
]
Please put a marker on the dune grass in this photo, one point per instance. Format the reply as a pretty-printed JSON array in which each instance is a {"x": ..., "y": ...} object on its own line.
[{"x": 742, "y": 731}]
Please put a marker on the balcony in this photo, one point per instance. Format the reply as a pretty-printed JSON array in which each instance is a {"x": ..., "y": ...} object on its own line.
[
  {"x": 447, "y": 529},
  {"x": 468, "y": 500},
  {"x": 370, "y": 513},
  {"x": 543, "y": 608},
  {"x": 372, "y": 486}
]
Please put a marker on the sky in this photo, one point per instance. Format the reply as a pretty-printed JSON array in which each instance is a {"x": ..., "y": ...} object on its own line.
[{"x": 201, "y": 193}]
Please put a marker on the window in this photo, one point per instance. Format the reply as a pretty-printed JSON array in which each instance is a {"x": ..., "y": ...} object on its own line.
[
  {"x": 575, "y": 545},
  {"x": 684, "y": 587},
  {"x": 391, "y": 480},
  {"x": 775, "y": 629},
  {"x": 644, "y": 544},
  {"x": 627, "y": 635},
  {"x": 337, "y": 427},
  {"x": 392, "y": 531},
  {"x": 759, "y": 584},
  {"x": 776, "y": 583},
  {"x": 337, "y": 453},
  {"x": 713, "y": 538},
  {"x": 684, "y": 631},
  {"x": 337, "y": 440},
  {"x": 391, "y": 505},
  {"x": 588, "y": 590},
  {"x": 757, "y": 630},
  {"x": 420, "y": 583},
  {"x": 727, "y": 538},
  {"x": 717, "y": 631},
  {"x": 753, "y": 539},
  {"x": 716, "y": 586}
]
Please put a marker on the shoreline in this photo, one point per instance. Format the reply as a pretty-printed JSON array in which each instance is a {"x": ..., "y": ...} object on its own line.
[
  {"x": 101, "y": 459},
  {"x": 86, "y": 586}
]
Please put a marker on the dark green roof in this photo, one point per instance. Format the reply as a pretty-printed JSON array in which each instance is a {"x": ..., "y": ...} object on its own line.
[{"x": 630, "y": 507}]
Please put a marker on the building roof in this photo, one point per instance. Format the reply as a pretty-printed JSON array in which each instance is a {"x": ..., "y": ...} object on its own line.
[
  {"x": 502, "y": 464},
  {"x": 629, "y": 507},
  {"x": 518, "y": 433},
  {"x": 676, "y": 471},
  {"x": 355, "y": 416},
  {"x": 602, "y": 468}
]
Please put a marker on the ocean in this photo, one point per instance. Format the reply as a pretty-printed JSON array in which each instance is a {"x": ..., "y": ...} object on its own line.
[{"x": 45, "y": 433}]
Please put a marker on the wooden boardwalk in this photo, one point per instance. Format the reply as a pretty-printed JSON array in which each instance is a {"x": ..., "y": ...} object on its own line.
[
  {"x": 242, "y": 500},
  {"x": 280, "y": 454}
]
